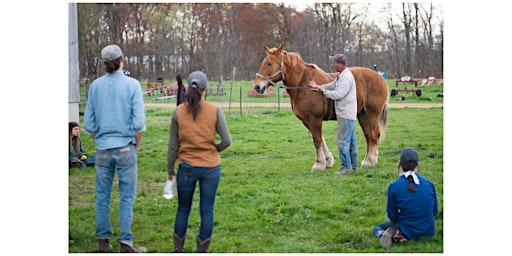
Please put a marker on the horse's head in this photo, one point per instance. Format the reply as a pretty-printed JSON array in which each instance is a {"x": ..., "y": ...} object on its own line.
[{"x": 271, "y": 69}]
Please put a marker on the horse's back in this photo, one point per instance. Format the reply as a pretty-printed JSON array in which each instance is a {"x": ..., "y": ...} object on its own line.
[
  {"x": 372, "y": 88},
  {"x": 369, "y": 78}
]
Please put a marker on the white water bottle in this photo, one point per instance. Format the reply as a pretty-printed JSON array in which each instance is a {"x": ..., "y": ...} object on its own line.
[{"x": 170, "y": 189}]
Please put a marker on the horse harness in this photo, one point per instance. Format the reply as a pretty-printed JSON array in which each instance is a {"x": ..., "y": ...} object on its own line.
[{"x": 280, "y": 71}]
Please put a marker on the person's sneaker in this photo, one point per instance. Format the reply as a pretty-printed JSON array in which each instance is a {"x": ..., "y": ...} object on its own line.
[
  {"x": 75, "y": 164},
  {"x": 344, "y": 170},
  {"x": 387, "y": 238},
  {"x": 399, "y": 237},
  {"x": 130, "y": 249},
  {"x": 104, "y": 244}
]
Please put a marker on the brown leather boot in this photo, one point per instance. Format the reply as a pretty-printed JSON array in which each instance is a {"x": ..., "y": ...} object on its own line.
[
  {"x": 203, "y": 245},
  {"x": 179, "y": 242},
  {"x": 105, "y": 245},
  {"x": 130, "y": 249}
]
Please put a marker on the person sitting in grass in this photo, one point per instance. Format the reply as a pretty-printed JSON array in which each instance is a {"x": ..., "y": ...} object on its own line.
[
  {"x": 77, "y": 155},
  {"x": 412, "y": 204}
]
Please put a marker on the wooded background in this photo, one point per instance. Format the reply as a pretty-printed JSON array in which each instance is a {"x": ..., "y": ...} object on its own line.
[{"x": 163, "y": 39}]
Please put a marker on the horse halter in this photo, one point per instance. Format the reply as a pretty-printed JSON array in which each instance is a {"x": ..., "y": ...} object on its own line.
[{"x": 269, "y": 78}]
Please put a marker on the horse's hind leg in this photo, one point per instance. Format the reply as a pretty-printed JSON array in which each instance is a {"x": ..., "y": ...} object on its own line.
[
  {"x": 329, "y": 160},
  {"x": 370, "y": 125}
]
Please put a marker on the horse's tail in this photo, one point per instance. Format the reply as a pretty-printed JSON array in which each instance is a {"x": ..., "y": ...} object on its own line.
[{"x": 383, "y": 120}]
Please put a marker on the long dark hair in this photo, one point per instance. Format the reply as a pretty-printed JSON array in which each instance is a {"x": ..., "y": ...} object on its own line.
[
  {"x": 411, "y": 187},
  {"x": 77, "y": 144},
  {"x": 111, "y": 66},
  {"x": 193, "y": 99},
  {"x": 406, "y": 168}
]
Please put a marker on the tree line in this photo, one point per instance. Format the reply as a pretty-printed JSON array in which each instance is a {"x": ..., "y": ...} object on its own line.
[{"x": 163, "y": 39}]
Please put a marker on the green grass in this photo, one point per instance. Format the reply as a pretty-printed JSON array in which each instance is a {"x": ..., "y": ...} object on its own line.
[{"x": 268, "y": 199}]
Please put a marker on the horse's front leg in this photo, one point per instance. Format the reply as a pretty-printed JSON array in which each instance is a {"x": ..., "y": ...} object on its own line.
[
  {"x": 318, "y": 141},
  {"x": 320, "y": 162},
  {"x": 329, "y": 160}
]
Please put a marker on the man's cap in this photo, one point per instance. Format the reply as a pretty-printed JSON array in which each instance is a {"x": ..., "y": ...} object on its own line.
[
  {"x": 340, "y": 58},
  {"x": 199, "y": 78},
  {"x": 110, "y": 53},
  {"x": 408, "y": 158}
]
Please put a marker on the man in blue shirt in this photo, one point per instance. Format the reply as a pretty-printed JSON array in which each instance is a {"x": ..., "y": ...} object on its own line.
[
  {"x": 116, "y": 119},
  {"x": 412, "y": 204}
]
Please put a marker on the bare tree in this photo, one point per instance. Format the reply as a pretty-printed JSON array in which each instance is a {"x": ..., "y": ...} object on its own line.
[{"x": 162, "y": 39}]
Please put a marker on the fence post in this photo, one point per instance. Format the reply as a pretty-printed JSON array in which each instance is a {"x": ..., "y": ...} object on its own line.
[
  {"x": 231, "y": 90},
  {"x": 278, "y": 99}
]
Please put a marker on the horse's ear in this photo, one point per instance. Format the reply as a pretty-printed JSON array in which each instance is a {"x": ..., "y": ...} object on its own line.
[
  {"x": 280, "y": 48},
  {"x": 266, "y": 48}
]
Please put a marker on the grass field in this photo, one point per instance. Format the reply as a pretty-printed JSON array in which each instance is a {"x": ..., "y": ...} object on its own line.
[{"x": 268, "y": 199}]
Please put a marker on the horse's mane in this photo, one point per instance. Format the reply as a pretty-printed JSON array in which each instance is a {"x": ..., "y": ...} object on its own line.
[{"x": 294, "y": 58}]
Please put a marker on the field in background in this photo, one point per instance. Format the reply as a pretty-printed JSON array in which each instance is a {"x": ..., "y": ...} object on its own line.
[{"x": 233, "y": 97}]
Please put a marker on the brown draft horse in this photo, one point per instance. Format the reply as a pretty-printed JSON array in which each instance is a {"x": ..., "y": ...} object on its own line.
[{"x": 313, "y": 107}]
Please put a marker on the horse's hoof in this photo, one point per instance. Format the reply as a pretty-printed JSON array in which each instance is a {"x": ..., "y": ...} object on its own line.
[
  {"x": 317, "y": 168},
  {"x": 365, "y": 163},
  {"x": 329, "y": 164}
]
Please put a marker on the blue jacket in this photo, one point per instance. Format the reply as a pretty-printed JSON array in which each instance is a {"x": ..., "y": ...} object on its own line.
[
  {"x": 413, "y": 211},
  {"x": 114, "y": 110}
]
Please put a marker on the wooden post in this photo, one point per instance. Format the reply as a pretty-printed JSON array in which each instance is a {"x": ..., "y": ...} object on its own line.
[
  {"x": 74, "y": 72},
  {"x": 231, "y": 89}
]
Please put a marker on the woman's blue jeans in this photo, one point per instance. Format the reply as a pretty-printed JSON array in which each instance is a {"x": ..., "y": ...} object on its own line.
[
  {"x": 188, "y": 176},
  {"x": 381, "y": 227},
  {"x": 346, "y": 142},
  {"x": 124, "y": 160}
]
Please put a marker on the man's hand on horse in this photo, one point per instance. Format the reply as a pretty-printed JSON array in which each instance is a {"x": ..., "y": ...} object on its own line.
[{"x": 315, "y": 87}]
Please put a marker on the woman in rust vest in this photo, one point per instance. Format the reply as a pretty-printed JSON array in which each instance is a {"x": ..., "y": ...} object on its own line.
[{"x": 193, "y": 146}]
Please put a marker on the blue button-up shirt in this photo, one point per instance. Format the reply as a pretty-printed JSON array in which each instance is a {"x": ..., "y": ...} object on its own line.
[{"x": 114, "y": 111}]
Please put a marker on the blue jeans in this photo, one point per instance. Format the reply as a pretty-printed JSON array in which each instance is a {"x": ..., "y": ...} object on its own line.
[
  {"x": 381, "y": 227},
  {"x": 346, "y": 142},
  {"x": 209, "y": 178},
  {"x": 124, "y": 160}
]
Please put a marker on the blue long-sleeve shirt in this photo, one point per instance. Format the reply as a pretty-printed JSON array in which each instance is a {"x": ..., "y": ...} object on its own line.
[
  {"x": 413, "y": 211},
  {"x": 114, "y": 110}
]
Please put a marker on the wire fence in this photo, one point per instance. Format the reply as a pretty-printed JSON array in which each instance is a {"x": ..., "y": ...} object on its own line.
[{"x": 235, "y": 99}]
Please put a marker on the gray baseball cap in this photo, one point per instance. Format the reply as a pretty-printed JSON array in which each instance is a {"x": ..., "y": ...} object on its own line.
[
  {"x": 110, "y": 53},
  {"x": 340, "y": 58},
  {"x": 199, "y": 78},
  {"x": 408, "y": 158}
]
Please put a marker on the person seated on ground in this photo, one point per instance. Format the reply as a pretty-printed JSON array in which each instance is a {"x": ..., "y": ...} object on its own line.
[
  {"x": 412, "y": 204},
  {"x": 77, "y": 155}
]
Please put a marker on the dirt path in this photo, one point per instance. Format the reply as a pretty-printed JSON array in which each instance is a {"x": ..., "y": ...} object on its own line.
[
  {"x": 287, "y": 105},
  {"x": 415, "y": 105}
]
